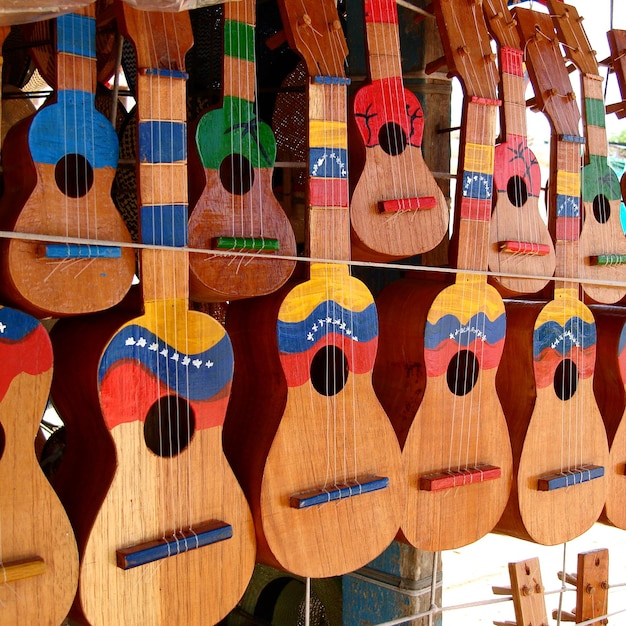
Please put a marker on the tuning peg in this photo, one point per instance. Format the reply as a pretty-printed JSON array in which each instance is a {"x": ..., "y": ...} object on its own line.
[
  {"x": 570, "y": 579},
  {"x": 566, "y": 616},
  {"x": 502, "y": 591},
  {"x": 504, "y": 623},
  {"x": 435, "y": 65}
]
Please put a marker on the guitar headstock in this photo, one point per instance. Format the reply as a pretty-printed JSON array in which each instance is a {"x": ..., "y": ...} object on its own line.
[
  {"x": 161, "y": 38},
  {"x": 467, "y": 46},
  {"x": 546, "y": 66},
  {"x": 617, "y": 45},
  {"x": 576, "y": 46},
  {"x": 502, "y": 24},
  {"x": 314, "y": 30}
]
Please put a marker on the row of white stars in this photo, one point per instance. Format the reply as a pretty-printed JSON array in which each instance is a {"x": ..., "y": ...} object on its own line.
[
  {"x": 164, "y": 352},
  {"x": 328, "y": 321}
]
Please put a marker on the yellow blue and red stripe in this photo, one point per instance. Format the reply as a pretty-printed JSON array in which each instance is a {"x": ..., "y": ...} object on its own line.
[{"x": 477, "y": 182}]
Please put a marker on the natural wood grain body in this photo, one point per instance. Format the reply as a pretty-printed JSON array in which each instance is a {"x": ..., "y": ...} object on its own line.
[
  {"x": 542, "y": 427},
  {"x": 33, "y": 522},
  {"x": 208, "y": 580},
  {"x": 256, "y": 214},
  {"x": 65, "y": 287}
]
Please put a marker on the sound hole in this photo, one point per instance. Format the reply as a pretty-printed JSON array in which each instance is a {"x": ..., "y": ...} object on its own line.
[
  {"x": 566, "y": 379},
  {"x": 601, "y": 209},
  {"x": 74, "y": 175},
  {"x": 517, "y": 191},
  {"x": 329, "y": 371},
  {"x": 462, "y": 372},
  {"x": 169, "y": 426},
  {"x": 236, "y": 174},
  {"x": 392, "y": 138}
]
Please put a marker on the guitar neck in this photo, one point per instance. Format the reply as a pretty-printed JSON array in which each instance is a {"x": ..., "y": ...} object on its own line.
[
  {"x": 328, "y": 215},
  {"x": 513, "y": 117},
  {"x": 383, "y": 41},
  {"x": 76, "y": 52},
  {"x": 475, "y": 193},
  {"x": 239, "y": 54}
]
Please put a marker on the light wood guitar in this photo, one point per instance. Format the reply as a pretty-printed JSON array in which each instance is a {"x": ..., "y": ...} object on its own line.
[
  {"x": 173, "y": 541},
  {"x": 309, "y": 441},
  {"x": 560, "y": 448},
  {"x": 602, "y": 241},
  {"x": 59, "y": 167},
  {"x": 396, "y": 208},
  {"x": 519, "y": 241},
  {"x": 237, "y": 209},
  {"x": 456, "y": 445},
  {"x": 38, "y": 555}
]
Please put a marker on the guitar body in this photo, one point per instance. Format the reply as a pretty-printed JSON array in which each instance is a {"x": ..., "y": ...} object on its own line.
[
  {"x": 557, "y": 341},
  {"x": 330, "y": 415},
  {"x": 610, "y": 392},
  {"x": 459, "y": 424},
  {"x": 59, "y": 166},
  {"x": 390, "y": 125},
  {"x": 34, "y": 526},
  {"x": 149, "y": 487},
  {"x": 516, "y": 218},
  {"x": 237, "y": 210}
]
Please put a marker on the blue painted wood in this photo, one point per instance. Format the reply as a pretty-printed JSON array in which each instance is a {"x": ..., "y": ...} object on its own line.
[
  {"x": 177, "y": 543},
  {"x": 76, "y": 34},
  {"x": 339, "y": 492},
  {"x": 572, "y": 477},
  {"x": 164, "y": 225},
  {"x": 332, "y": 80},
  {"x": 80, "y": 251},
  {"x": 155, "y": 71},
  {"x": 162, "y": 141}
]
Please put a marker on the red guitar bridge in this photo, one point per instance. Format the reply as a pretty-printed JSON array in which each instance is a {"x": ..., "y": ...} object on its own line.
[
  {"x": 407, "y": 204},
  {"x": 459, "y": 477}
]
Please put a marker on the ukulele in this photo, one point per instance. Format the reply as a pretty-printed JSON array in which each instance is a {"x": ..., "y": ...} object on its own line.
[
  {"x": 38, "y": 556},
  {"x": 305, "y": 432},
  {"x": 602, "y": 241},
  {"x": 519, "y": 241},
  {"x": 439, "y": 389},
  {"x": 59, "y": 167},
  {"x": 396, "y": 208},
  {"x": 559, "y": 441},
  {"x": 173, "y": 541},
  {"x": 237, "y": 210}
]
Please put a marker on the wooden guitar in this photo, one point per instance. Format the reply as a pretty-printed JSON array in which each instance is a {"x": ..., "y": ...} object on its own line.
[
  {"x": 396, "y": 207},
  {"x": 617, "y": 45},
  {"x": 237, "y": 209},
  {"x": 307, "y": 437},
  {"x": 38, "y": 555},
  {"x": 456, "y": 446},
  {"x": 59, "y": 167},
  {"x": 173, "y": 541},
  {"x": 559, "y": 442},
  {"x": 602, "y": 241},
  {"x": 519, "y": 241}
]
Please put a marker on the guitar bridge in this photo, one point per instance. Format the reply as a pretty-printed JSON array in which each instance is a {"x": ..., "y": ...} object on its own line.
[
  {"x": 407, "y": 204},
  {"x": 525, "y": 247},
  {"x": 19, "y": 570},
  {"x": 568, "y": 478},
  {"x": 177, "y": 542},
  {"x": 449, "y": 479},
  {"x": 608, "y": 259},
  {"x": 252, "y": 244},
  {"x": 80, "y": 251},
  {"x": 340, "y": 491}
]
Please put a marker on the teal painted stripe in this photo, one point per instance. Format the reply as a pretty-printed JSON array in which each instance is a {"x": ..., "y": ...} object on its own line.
[
  {"x": 239, "y": 40},
  {"x": 76, "y": 34},
  {"x": 594, "y": 112}
]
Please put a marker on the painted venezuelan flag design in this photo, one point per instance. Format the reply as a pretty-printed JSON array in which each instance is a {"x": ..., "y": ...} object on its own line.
[
  {"x": 386, "y": 101},
  {"x": 564, "y": 329},
  {"x": 477, "y": 182},
  {"x": 24, "y": 347},
  {"x": 72, "y": 125},
  {"x": 332, "y": 308},
  {"x": 328, "y": 159},
  {"x": 137, "y": 358},
  {"x": 468, "y": 316},
  {"x": 568, "y": 204}
]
